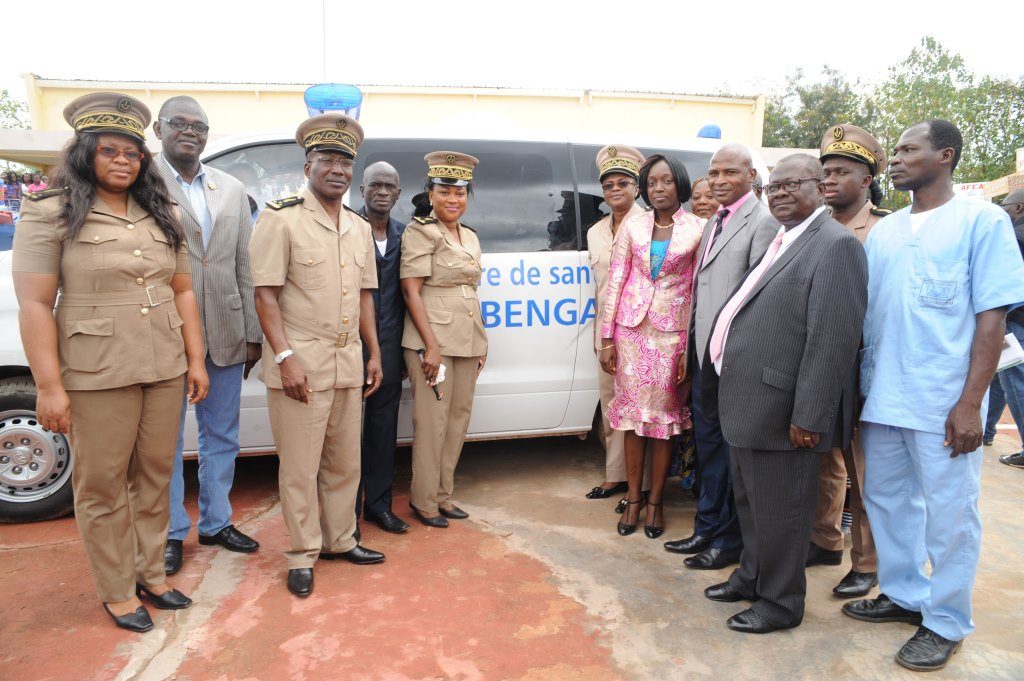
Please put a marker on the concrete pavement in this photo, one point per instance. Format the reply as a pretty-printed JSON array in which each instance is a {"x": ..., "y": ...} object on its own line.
[{"x": 536, "y": 585}]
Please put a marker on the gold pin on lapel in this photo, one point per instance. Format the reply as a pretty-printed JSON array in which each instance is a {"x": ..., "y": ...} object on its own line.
[{"x": 211, "y": 185}]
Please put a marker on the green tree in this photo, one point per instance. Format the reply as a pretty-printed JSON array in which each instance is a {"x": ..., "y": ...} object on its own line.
[
  {"x": 13, "y": 112},
  {"x": 800, "y": 115}
]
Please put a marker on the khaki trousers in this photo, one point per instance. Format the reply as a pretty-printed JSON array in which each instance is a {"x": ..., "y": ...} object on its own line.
[
  {"x": 614, "y": 449},
  {"x": 318, "y": 448},
  {"x": 124, "y": 441},
  {"x": 828, "y": 534},
  {"x": 439, "y": 429}
]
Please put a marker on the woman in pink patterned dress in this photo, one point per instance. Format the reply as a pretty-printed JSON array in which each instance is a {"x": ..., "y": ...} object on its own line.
[{"x": 647, "y": 306}]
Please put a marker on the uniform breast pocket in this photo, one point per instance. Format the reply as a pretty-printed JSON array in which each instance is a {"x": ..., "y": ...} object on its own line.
[
  {"x": 447, "y": 269},
  {"x": 310, "y": 267},
  {"x": 99, "y": 251},
  {"x": 940, "y": 284},
  {"x": 161, "y": 250},
  {"x": 89, "y": 345}
]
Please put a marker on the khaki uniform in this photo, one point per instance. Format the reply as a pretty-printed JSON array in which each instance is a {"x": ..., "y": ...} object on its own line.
[
  {"x": 451, "y": 273},
  {"x": 122, "y": 358},
  {"x": 837, "y": 464},
  {"x": 321, "y": 269},
  {"x": 599, "y": 244}
]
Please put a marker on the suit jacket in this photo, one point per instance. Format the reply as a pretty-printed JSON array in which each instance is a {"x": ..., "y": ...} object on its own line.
[
  {"x": 792, "y": 346},
  {"x": 741, "y": 244},
  {"x": 632, "y": 294},
  {"x": 388, "y": 303},
  {"x": 221, "y": 278}
]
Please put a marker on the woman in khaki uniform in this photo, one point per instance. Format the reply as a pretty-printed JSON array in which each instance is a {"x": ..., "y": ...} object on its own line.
[
  {"x": 440, "y": 272},
  {"x": 109, "y": 364}
]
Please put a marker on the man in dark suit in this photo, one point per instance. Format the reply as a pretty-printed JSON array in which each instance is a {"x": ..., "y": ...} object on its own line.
[
  {"x": 779, "y": 374},
  {"x": 380, "y": 190},
  {"x": 734, "y": 239}
]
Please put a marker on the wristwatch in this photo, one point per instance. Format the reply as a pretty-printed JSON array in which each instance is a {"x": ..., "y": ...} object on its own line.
[{"x": 283, "y": 355}]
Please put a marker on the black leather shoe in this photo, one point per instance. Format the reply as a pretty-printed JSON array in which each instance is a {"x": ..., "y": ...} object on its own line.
[
  {"x": 926, "y": 651},
  {"x": 172, "y": 556},
  {"x": 880, "y": 609},
  {"x": 169, "y": 600},
  {"x": 855, "y": 584},
  {"x": 692, "y": 544},
  {"x": 232, "y": 540},
  {"x": 819, "y": 556},
  {"x": 388, "y": 521},
  {"x": 725, "y": 593},
  {"x": 605, "y": 492},
  {"x": 713, "y": 559},
  {"x": 626, "y": 529},
  {"x": 454, "y": 513},
  {"x": 749, "y": 622},
  {"x": 300, "y": 581},
  {"x": 138, "y": 621},
  {"x": 429, "y": 521},
  {"x": 359, "y": 555}
]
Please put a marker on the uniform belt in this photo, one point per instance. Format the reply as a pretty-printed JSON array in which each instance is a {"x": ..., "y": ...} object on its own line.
[
  {"x": 457, "y": 291},
  {"x": 151, "y": 296},
  {"x": 315, "y": 329}
]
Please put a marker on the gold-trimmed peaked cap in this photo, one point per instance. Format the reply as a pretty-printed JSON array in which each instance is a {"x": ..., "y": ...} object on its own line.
[
  {"x": 618, "y": 158},
  {"x": 109, "y": 112},
  {"x": 330, "y": 132},
  {"x": 450, "y": 167},
  {"x": 856, "y": 143}
]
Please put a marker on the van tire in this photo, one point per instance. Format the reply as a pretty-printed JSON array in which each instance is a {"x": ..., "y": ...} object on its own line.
[{"x": 50, "y": 496}]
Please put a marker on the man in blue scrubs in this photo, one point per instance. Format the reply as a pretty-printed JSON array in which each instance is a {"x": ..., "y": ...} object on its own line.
[{"x": 942, "y": 275}]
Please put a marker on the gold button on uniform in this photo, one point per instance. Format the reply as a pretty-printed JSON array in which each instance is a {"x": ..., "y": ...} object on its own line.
[
  {"x": 137, "y": 253},
  {"x": 471, "y": 313},
  {"x": 140, "y": 281},
  {"x": 310, "y": 261},
  {"x": 344, "y": 291},
  {"x": 145, "y": 310},
  {"x": 96, "y": 238},
  {"x": 130, "y": 226},
  {"x": 342, "y": 263},
  {"x": 344, "y": 320}
]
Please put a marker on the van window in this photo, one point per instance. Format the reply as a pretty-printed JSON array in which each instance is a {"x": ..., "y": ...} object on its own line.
[
  {"x": 696, "y": 162},
  {"x": 522, "y": 191},
  {"x": 270, "y": 170}
]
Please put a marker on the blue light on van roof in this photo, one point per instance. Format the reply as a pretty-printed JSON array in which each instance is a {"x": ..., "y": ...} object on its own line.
[
  {"x": 333, "y": 97},
  {"x": 710, "y": 131}
]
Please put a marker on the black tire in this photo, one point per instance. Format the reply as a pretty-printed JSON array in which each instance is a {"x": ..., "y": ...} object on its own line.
[{"x": 45, "y": 492}]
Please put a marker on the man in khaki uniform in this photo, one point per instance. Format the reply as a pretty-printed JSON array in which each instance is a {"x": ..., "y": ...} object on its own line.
[
  {"x": 440, "y": 271},
  {"x": 618, "y": 168},
  {"x": 313, "y": 269},
  {"x": 851, "y": 158}
]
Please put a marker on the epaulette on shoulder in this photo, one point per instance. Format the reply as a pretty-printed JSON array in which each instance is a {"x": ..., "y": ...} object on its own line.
[
  {"x": 881, "y": 211},
  {"x": 425, "y": 220},
  {"x": 45, "y": 194},
  {"x": 278, "y": 204},
  {"x": 357, "y": 214},
  {"x": 465, "y": 226}
]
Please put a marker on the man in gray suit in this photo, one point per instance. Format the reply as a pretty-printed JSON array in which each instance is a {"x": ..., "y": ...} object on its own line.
[
  {"x": 733, "y": 241},
  {"x": 215, "y": 214},
  {"x": 779, "y": 370}
]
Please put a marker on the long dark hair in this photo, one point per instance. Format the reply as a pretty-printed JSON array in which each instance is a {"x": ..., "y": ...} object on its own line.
[
  {"x": 78, "y": 178},
  {"x": 421, "y": 202},
  {"x": 679, "y": 176}
]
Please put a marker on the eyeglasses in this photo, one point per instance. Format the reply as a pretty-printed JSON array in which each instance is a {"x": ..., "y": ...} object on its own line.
[
  {"x": 181, "y": 125},
  {"x": 611, "y": 184},
  {"x": 790, "y": 185},
  {"x": 111, "y": 152},
  {"x": 333, "y": 162}
]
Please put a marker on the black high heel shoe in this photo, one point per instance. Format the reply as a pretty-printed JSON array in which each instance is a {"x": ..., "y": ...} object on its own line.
[
  {"x": 625, "y": 529},
  {"x": 654, "y": 531},
  {"x": 169, "y": 600},
  {"x": 621, "y": 506},
  {"x": 138, "y": 621}
]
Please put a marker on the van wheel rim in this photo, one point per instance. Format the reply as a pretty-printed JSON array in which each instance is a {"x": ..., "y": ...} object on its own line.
[{"x": 33, "y": 462}]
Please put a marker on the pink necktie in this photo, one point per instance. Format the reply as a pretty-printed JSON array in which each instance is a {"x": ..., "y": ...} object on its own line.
[{"x": 732, "y": 307}]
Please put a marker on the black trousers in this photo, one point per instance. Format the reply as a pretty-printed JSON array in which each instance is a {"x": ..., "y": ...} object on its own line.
[
  {"x": 776, "y": 493},
  {"x": 380, "y": 433},
  {"x": 716, "y": 507}
]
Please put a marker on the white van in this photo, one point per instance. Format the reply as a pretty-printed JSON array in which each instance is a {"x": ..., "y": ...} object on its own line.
[{"x": 532, "y": 205}]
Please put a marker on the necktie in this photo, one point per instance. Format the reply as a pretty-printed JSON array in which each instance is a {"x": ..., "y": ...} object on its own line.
[
  {"x": 719, "y": 223},
  {"x": 730, "y": 309}
]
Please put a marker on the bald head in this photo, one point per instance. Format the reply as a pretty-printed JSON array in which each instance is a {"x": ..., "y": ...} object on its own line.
[
  {"x": 380, "y": 189},
  {"x": 1013, "y": 204},
  {"x": 734, "y": 152},
  {"x": 731, "y": 173},
  {"x": 803, "y": 165}
]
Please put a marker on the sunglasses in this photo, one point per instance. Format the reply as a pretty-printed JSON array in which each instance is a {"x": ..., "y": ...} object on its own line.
[{"x": 111, "y": 152}]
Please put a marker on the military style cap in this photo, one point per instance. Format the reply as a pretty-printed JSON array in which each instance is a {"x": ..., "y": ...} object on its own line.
[
  {"x": 450, "y": 167},
  {"x": 330, "y": 132},
  {"x": 109, "y": 112},
  {"x": 853, "y": 142},
  {"x": 618, "y": 158}
]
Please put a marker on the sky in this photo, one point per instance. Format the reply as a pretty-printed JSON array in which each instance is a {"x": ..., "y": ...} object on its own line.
[{"x": 712, "y": 47}]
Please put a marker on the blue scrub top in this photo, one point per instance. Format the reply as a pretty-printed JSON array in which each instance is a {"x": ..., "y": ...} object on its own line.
[{"x": 924, "y": 291}]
